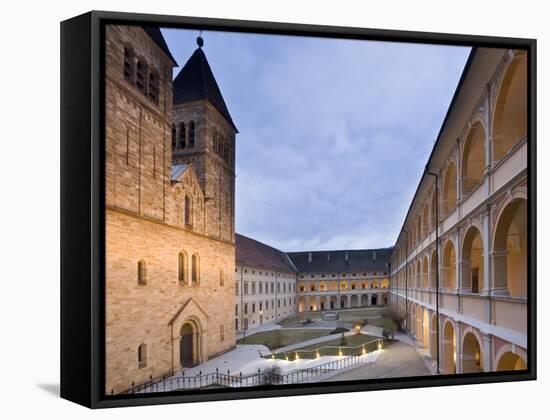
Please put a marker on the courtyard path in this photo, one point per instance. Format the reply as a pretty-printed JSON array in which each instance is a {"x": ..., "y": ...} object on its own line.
[{"x": 397, "y": 360}]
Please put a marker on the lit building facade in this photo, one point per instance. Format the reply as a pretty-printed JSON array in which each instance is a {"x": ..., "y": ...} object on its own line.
[
  {"x": 271, "y": 284},
  {"x": 329, "y": 280},
  {"x": 459, "y": 269},
  {"x": 265, "y": 284}
]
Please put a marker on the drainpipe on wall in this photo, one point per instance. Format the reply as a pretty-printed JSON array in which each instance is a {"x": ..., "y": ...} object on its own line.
[
  {"x": 406, "y": 279},
  {"x": 276, "y": 296},
  {"x": 436, "y": 263},
  {"x": 242, "y": 299}
]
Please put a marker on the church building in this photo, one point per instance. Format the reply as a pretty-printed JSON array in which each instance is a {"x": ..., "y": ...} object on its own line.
[{"x": 169, "y": 210}]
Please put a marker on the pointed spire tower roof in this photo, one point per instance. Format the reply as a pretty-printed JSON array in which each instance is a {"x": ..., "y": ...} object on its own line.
[{"x": 195, "y": 82}]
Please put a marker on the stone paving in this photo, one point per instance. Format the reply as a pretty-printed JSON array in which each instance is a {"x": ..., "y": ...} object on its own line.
[{"x": 397, "y": 360}]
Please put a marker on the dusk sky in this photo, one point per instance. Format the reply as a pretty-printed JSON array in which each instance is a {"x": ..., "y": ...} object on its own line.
[{"x": 333, "y": 134}]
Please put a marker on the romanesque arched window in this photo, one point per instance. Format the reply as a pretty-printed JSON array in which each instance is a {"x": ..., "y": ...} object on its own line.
[
  {"x": 222, "y": 333},
  {"x": 188, "y": 211},
  {"x": 222, "y": 278},
  {"x": 154, "y": 86},
  {"x": 225, "y": 151},
  {"x": 182, "y": 268},
  {"x": 195, "y": 269},
  {"x": 215, "y": 140},
  {"x": 181, "y": 136},
  {"x": 142, "y": 356},
  {"x": 173, "y": 136},
  {"x": 142, "y": 272},
  {"x": 191, "y": 134},
  {"x": 141, "y": 75},
  {"x": 129, "y": 68}
]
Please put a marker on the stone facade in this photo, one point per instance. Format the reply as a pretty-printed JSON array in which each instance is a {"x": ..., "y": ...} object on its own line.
[{"x": 166, "y": 287}]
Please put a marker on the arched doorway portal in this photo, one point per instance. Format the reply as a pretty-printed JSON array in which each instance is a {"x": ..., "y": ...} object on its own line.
[
  {"x": 426, "y": 330},
  {"x": 374, "y": 300},
  {"x": 472, "y": 360},
  {"x": 187, "y": 345},
  {"x": 511, "y": 361},
  {"x": 449, "y": 349}
]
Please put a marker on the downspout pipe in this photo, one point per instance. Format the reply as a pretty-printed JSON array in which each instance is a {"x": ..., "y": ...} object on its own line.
[
  {"x": 436, "y": 263},
  {"x": 406, "y": 279}
]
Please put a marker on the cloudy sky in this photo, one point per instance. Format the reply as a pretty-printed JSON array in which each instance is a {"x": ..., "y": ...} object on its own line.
[{"x": 333, "y": 134}]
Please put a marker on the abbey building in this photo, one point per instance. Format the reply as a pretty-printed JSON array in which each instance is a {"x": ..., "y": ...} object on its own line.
[{"x": 180, "y": 283}]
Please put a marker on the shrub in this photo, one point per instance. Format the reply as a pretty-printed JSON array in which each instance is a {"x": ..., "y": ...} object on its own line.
[
  {"x": 387, "y": 334},
  {"x": 270, "y": 376},
  {"x": 395, "y": 315}
]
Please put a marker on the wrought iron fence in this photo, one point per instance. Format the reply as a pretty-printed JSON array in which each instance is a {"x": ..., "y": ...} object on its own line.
[{"x": 270, "y": 376}]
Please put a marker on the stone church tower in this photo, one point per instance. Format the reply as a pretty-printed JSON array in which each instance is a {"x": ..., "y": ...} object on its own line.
[
  {"x": 203, "y": 136},
  {"x": 169, "y": 206}
]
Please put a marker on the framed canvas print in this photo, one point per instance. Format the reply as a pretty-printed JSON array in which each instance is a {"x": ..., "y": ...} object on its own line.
[{"x": 254, "y": 209}]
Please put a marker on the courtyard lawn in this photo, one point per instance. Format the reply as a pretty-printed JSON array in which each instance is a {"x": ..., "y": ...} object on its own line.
[
  {"x": 346, "y": 315},
  {"x": 333, "y": 347},
  {"x": 275, "y": 339}
]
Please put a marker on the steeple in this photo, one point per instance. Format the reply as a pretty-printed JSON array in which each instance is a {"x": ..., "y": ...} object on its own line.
[
  {"x": 196, "y": 82},
  {"x": 203, "y": 136}
]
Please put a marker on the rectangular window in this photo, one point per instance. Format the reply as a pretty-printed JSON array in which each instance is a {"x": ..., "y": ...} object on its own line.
[
  {"x": 253, "y": 287},
  {"x": 260, "y": 286},
  {"x": 246, "y": 288},
  {"x": 236, "y": 309},
  {"x": 278, "y": 303},
  {"x": 236, "y": 289},
  {"x": 246, "y": 308},
  {"x": 260, "y": 306},
  {"x": 253, "y": 308}
]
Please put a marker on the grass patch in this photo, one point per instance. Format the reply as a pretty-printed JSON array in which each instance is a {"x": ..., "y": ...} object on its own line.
[
  {"x": 346, "y": 315},
  {"x": 283, "y": 337},
  {"x": 333, "y": 348}
]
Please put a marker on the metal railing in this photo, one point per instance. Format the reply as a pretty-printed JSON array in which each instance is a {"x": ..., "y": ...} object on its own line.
[{"x": 270, "y": 376}]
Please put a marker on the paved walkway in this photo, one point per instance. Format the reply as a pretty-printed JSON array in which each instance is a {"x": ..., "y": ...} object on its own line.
[{"x": 397, "y": 360}]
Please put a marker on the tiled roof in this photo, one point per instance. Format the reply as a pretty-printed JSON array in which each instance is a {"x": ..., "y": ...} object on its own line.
[
  {"x": 254, "y": 253},
  {"x": 195, "y": 82},
  {"x": 336, "y": 261}
]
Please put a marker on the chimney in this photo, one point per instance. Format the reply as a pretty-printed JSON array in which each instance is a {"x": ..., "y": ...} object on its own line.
[
  {"x": 346, "y": 256},
  {"x": 309, "y": 256},
  {"x": 328, "y": 256},
  {"x": 374, "y": 255}
]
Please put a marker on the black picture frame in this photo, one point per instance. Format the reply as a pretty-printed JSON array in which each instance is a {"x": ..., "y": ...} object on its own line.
[{"x": 83, "y": 218}]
